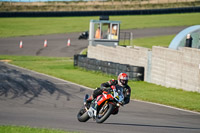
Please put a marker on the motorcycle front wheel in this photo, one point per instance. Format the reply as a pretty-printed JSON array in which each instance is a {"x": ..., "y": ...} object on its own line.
[
  {"x": 104, "y": 113},
  {"x": 82, "y": 115}
]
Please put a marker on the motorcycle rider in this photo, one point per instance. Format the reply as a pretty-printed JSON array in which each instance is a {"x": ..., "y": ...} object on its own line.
[{"x": 122, "y": 81}]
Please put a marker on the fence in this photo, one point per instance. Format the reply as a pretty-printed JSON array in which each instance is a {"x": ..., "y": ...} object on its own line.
[
  {"x": 176, "y": 68},
  {"x": 112, "y": 68},
  {"x": 126, "y": 38},
  {"x": 163, "y": 66},
  {"x": 98, "y": 13},
  {"x": 137, "y": 56}
]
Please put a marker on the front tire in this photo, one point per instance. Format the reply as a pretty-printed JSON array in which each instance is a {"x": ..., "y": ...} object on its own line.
[
  {"x": 102, "y": 116},
  {"x": 82, "y": 115}
]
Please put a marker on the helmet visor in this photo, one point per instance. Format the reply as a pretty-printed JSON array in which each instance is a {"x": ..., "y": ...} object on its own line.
[{"x": 124, "y": 82}]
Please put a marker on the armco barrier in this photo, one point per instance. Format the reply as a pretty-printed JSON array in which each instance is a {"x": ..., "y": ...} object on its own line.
[
  {"x": 134, "y": 72},
  {"x": 99, "y": 13}
]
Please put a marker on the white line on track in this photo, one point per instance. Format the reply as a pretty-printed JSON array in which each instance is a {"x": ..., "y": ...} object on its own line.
[{"x": 68, "y": 82}]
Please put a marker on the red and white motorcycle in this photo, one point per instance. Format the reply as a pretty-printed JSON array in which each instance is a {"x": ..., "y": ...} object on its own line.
[{"x": 107, "y": 103}]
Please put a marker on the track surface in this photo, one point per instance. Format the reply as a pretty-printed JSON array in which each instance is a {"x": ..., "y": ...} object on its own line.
[
  {"x": 57, "y": 43},
  {"x": 32, "y": 99}
]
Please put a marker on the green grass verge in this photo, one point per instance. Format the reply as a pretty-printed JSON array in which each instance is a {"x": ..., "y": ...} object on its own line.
[
  {"x": 148, "y": 42},
  {"x": 26, "y": 129},
  {"x": 84, "y": 52},
  {"x": 10, "y": 27},
  {"x": 63, "y": 68}
]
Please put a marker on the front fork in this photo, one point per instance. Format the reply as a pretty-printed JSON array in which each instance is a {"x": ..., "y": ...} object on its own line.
[{"x": 92, "y": 111}]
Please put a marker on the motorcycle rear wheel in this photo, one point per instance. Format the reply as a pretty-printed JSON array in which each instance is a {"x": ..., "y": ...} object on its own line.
[
  {"x": 105, "y": 113},
  {"x": 82, "y": 115}
]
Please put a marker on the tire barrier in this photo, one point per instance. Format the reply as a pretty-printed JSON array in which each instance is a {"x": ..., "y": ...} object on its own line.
[
  {"x": 112, "y": 68},
  {"x": 100, "y": 13}
]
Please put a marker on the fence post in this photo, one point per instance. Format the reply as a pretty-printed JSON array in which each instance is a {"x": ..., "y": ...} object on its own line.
[
  {"x": 131, "y": 39},
  {"x": 149, "y": 64}
]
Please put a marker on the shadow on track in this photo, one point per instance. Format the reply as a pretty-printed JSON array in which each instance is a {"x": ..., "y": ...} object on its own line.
[
  {"x": 14, "y": 84},
  {"x": 154, "y": 126}
]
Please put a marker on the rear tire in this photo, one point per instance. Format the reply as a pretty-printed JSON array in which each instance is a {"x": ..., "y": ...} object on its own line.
[
  {"x": 82, "y": 115},
  {"x": 106, "y": 115}
]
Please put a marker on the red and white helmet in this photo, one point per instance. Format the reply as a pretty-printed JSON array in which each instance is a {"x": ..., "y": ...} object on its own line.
[{"x": 122, "y": 79}]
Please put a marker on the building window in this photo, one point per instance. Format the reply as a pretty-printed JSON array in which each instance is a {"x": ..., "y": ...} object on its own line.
[
  {"x": 106, "y": 31},
  {"x": 97, "y": 34}
]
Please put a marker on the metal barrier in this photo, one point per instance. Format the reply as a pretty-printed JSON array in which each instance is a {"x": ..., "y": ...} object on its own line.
[
  {"x": 126, "y": 38},
  {"x": 112, "y": 68},
  {"x": 99, "y": 13}
]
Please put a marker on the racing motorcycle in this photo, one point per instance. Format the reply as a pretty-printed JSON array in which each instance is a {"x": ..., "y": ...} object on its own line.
[
  {"x": 84, "y": 35},
  {"x": 106, "y": 104}
]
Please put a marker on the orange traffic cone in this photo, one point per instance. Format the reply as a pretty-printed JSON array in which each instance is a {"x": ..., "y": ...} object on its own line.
[
  {"x": 45, "y": 43},
  {"x": 21, "y": 44},
  {"x": 68, "y": 42}
]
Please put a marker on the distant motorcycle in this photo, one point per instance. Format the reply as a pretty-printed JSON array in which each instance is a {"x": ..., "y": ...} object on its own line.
[
  {"x": 84, "y": 35},
  {"x": 108, "y": 103}
]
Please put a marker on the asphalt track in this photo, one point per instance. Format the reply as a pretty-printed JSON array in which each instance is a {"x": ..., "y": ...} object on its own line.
[
  {"x": 37, "y": 100},
  {"x": 33, "y": 99},
  {"x": 57, "y": 43}
]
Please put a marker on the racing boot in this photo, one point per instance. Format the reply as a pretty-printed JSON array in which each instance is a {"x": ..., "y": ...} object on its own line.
[{"x": 85, "y": 99}]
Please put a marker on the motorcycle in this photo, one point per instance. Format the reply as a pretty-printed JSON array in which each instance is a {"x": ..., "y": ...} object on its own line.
[
  {"x": 106, "y": 104},
  {"x": 84, "y": 35}
]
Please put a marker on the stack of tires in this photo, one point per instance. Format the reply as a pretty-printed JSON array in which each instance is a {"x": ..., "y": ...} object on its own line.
[{"x": 134, "y": 72}]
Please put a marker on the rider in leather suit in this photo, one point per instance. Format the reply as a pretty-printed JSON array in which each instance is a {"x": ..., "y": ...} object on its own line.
[{"x": 122, "y": 81}]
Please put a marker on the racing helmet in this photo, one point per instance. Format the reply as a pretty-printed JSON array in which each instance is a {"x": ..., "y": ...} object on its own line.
[{"x": 122, "y": 79}]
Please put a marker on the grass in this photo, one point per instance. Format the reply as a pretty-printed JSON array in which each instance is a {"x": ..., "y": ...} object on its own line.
[
  {"x": 151, "y": 21},
  {"x": 148, "y": 42},
  {"x": 84, "y": 52},
  {"x": 26, "y": 129},
  {"x": 63, "y": 68},
  {"x": 167, "y": 96},
  {"x": 12, "y": 27}
]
